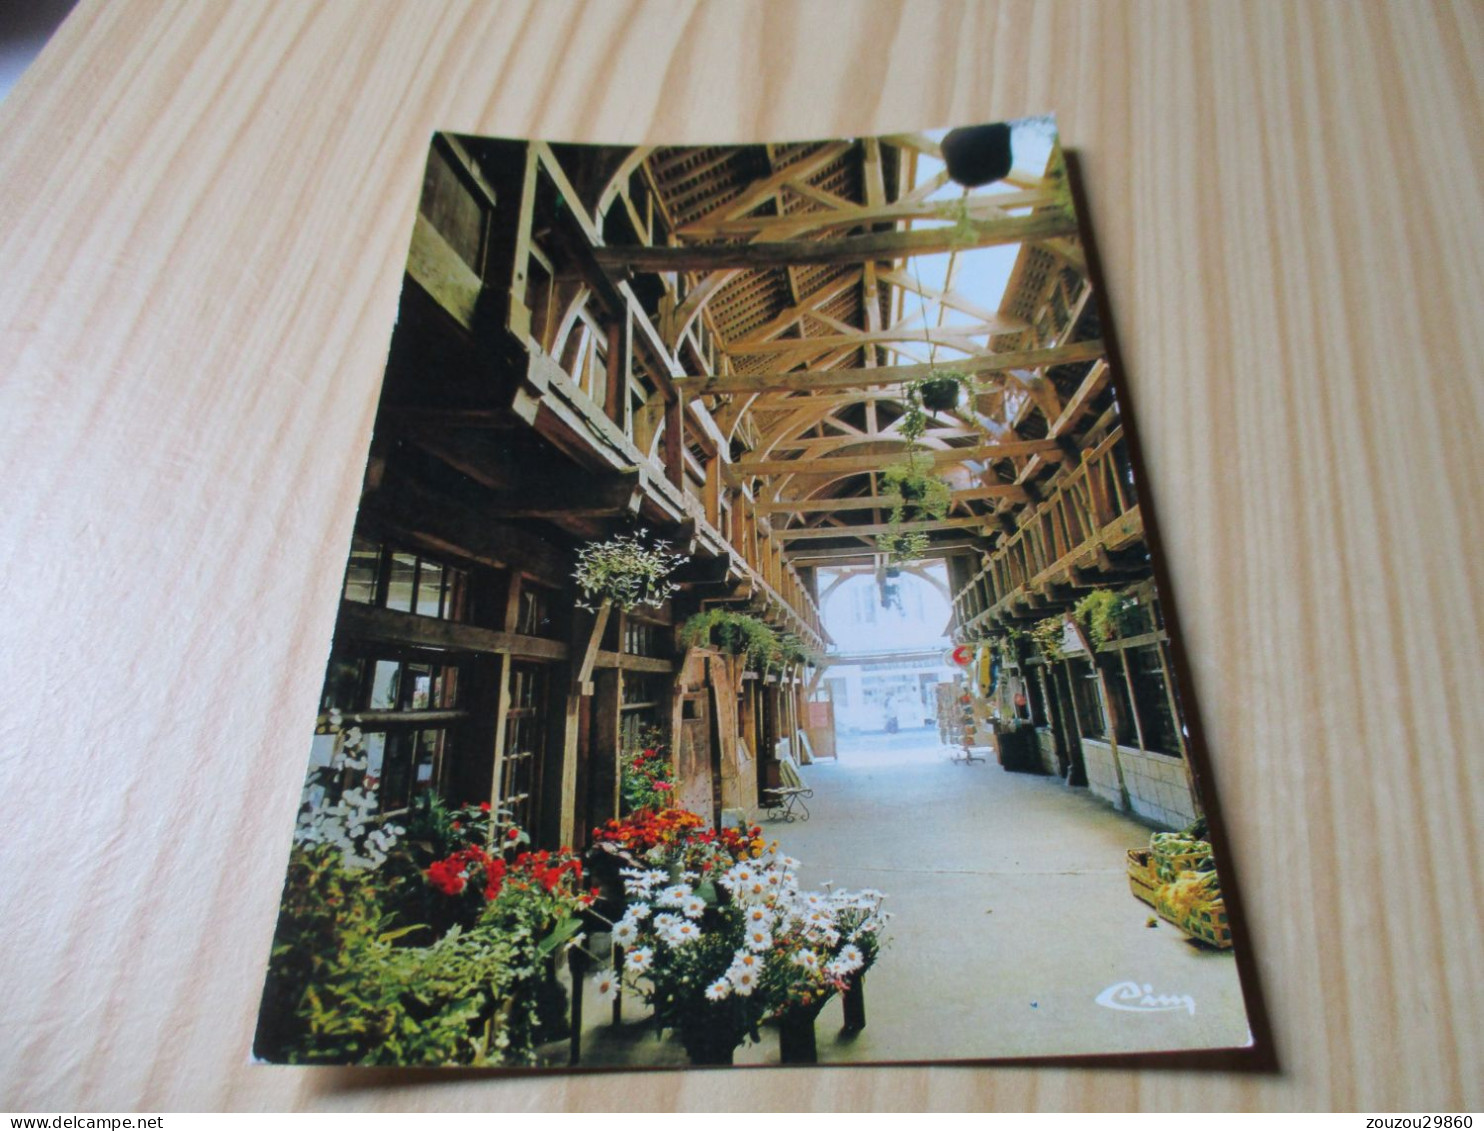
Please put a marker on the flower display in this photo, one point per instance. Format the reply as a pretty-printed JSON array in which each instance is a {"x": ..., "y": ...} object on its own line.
[
  {"x": 760, "y": 947},
  {"x": 646, "y": 779}
]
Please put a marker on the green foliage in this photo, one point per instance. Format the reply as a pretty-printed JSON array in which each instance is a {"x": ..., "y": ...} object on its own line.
[
  {"x": 1010, "y": 645},
  {"x": 625, "y": 571},
  {"x": 1047, "y": 635},
  {"x": 741, "y": 634},
  {"x": 917, "y": 493},
  {"x": 340, "y": 991},
  {"x": 646, "y": 778},
  {"x": 793, "y": 650},
  {"x": 1107, "y": 616},
  {"x": 903, "y": 547}
]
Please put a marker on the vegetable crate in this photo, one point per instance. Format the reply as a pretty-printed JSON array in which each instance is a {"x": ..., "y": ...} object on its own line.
[
  {"x": 1140, "y": 876},
  {"x": 1168, "y": 858},
  {"x": 1209, "y": 924},
  {"x": 1204, "y": 922}
]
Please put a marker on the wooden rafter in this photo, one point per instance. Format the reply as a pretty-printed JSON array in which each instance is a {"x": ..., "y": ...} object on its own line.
[
  {"x": 1047, "y": 224},
  {"x": 837, "y": 465},
  {"x": 821, "y": 533},
  {"x": 842, "y": 214},
  {"x": 891, "y": 375},
  {"x": 871, "y": 502}
]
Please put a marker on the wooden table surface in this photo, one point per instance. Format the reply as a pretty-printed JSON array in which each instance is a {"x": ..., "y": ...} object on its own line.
[{"x": 204, "y": 210}]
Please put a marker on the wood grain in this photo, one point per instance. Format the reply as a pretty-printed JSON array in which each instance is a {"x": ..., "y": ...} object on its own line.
[{"x": 204, "y": 211}]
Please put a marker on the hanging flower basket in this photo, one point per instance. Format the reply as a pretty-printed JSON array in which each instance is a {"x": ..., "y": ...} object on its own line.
[{"x": 626, "y": 572}]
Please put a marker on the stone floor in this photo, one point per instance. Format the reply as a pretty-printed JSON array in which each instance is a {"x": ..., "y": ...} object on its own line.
[{"x": 1012, "y": 914}]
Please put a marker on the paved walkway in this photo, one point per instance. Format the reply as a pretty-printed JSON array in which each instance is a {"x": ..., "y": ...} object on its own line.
[{"x": 1012, "y": 914}]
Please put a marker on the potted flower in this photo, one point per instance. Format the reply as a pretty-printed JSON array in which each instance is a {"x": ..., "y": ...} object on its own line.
[
  {"x": 626, "y": 572},
  {"x": 715, "y": 958}
]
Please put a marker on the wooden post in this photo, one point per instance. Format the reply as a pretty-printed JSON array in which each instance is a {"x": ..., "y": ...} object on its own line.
[
  {"x": 711, "y": 497},
  {"x": 617, "y": 385},
  {"x": 584, "y": 655},
  {"x": 675, "y": 441}
]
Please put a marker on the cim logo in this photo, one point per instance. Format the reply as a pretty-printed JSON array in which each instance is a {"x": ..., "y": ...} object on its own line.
[{"x": 1134, "y": 998}]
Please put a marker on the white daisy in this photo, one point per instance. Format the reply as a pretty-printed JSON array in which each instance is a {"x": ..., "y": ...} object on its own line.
[
  {"x": 758, "y": 916},
  {"x": 665, "y": 921},
  {"x": 718, "y": 990},
  {"x": 639, "y": 960},
  {"x": 759, "y": 939},
  {"x": 744, "y": 982},
  {"x": 625, "y": 931},
  {"x": 807, "y": 959},
  {"x": 673, "y": 896},
  {"x": 606, "y": 983},
  {"x": 684, "y": 932},
  {"x": 742, "y": 960},
  {"x": 637, "y": 911},
  {"x": 693, "y": 908},
  {"x": 850, "y": 957}
]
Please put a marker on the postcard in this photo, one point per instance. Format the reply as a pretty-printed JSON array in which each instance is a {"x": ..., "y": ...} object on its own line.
[{"x": 750, "y": 649}]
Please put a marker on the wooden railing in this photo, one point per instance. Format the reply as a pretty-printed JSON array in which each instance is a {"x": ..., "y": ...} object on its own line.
[{"x": 1092, "y": 512}]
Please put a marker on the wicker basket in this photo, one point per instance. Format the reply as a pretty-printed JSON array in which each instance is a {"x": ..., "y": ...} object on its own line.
[
  {"x": 1168, "y": 865},
  {"x": 1209, "y": 924},
  {"x": 1206, "y": 922},
  {"x": 1140, "y": 876}
]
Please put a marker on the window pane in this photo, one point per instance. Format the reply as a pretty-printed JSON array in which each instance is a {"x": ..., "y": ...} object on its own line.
[
  {"x": 343, "y": 684},
  {"x": 429, "y": 747},
  {"x": 360, "y": 573},
  {"x": 397, "y": 780},
  {"x": 455, "y": 585},
  {"x": 384, "y": 683},
  {"x": 399, "y": 589},
  {"x": 446, "y": 688},
  {"x": 375, "y": 754},
  {"x": 1152, "y": 701},
  {"x": 429, "y": 588},
  {"x": 421, "y": 685}
]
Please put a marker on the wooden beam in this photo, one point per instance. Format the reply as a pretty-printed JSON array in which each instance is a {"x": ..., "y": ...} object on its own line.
[
  {"x": 1049, "y": 224},
  {"x": 806, "y": 381},
  {"x": 365, "y": 622},
  {"x": 630, "y": 663},
  {"x": 794, "y": 224},
  {"x": 822, "y": 556},
  {"x": 416, "y": 512},
  {"x": 870, "y": 502},
  {"x": 583, "y": 677},
  {"x": 957, "y": 337},
  {"x": 837, "y": 465},
  {"x": 761, "y": 191},
  {"x": 820, "y": 533}
]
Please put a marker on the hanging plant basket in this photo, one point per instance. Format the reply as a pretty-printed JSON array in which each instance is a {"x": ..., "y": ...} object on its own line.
[
  {"x": 941, "y": 394},
  {"x": 626, "y": 572}
]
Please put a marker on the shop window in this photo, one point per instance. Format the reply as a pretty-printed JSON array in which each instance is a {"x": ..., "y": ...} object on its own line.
[
  {"x": 1117, "y": 689},
  {"x": 363, "y": 572},
  {"x": 525, "y": 740},
  {"x": 640, "y": 638},
  {"x": 404, "y": 582},
  {"x": 380, "y": 684},
  {"x": 411, "y": 762},
  {"x": 1152, "y": 700},
  {"x": 1085, "y": 701},
  {"x": 535, "y": 612}
]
